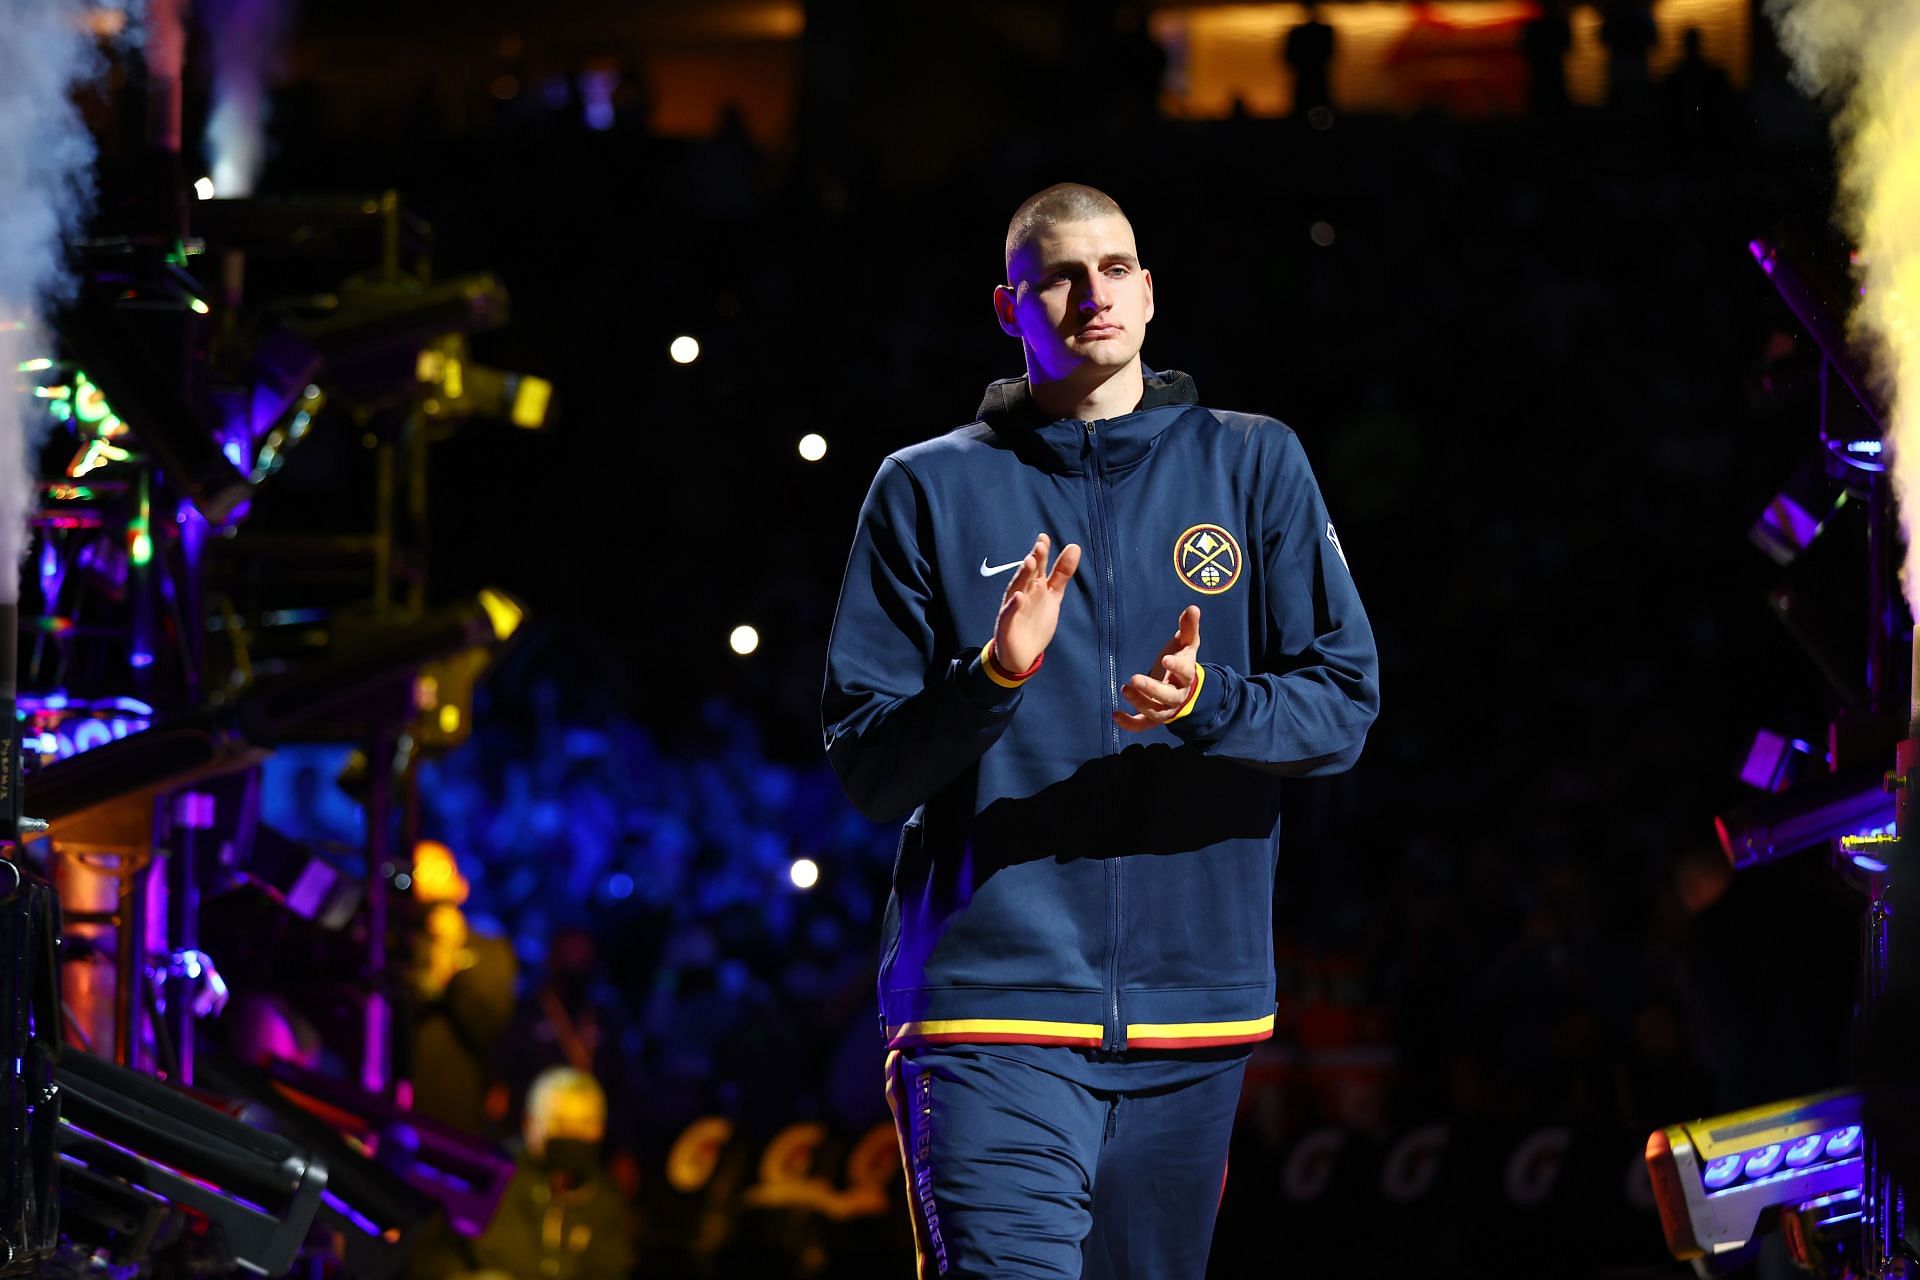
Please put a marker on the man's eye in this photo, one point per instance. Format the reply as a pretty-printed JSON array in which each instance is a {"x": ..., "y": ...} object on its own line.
[{"x": 1116, "y": 272}]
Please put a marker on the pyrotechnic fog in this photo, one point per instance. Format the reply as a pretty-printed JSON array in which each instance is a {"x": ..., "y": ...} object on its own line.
[
  {"x": 1861, "y": 58},
  {"x": 46, "y": 180}
]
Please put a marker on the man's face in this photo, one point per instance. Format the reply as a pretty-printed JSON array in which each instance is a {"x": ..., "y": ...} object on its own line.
[{"x": 1078, "y": 299}]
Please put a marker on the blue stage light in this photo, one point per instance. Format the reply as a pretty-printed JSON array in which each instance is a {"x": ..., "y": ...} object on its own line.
[
  {"x": 1843, "y": 1142},
  {"x": 1722, "y": 1172},
  {"x": 1765, "y": 1160},
  {"x": 1806, "y": 1150}
]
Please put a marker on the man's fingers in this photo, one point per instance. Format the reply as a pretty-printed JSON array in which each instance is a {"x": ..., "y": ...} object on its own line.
[
  {"x": 1154, "y": 692},
  {"x": 1063, "y": 567},
  {"x": 1187, "y": 634},
  {"x": 1133, "y": 723}
]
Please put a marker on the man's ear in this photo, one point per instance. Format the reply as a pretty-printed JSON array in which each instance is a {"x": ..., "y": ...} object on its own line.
[
  {"x": 1147, "y": 276},
  {"x": 1003, "y": 310}
]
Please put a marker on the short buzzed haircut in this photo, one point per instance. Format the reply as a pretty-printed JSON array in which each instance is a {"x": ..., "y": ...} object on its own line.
[{"x": 1062, "y": 202}]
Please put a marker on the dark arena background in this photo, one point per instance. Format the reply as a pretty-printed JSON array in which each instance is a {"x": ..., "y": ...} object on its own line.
[{"x": 433, "y": 438}]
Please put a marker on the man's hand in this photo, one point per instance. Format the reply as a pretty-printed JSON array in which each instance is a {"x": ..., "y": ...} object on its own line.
[
  {"x": 1030, "y": 609},
  {"x": 1157, "y": 697}
]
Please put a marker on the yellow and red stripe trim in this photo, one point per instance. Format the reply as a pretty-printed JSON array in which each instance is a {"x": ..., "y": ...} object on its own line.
[
  {"x": 1000, "y": 675},
  {"x": 1088, "y": 1035},
  {"x": 1197, "y": 1035},
  {"x": 996, "y": 1031}
]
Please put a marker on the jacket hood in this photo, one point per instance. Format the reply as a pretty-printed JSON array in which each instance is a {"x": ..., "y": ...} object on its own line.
[
  {"x": 1009, "y": 402},
  {"x": 1060, "y": 445}
]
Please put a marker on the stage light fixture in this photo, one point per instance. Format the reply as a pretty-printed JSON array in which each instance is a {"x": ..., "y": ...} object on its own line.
[
  {"x": 370, "y": 321},
  {"x": 1820, "y": 809},
  {"x": 379, "y": 664},
  {"x": 805, "y": 873},
  {"x": 123, "y": 775},
  {"x": 1824, "y": 1234},
  {"x": 1775, "y": 762},
  {"x": 464, "y": 389},
  {"x": 389, "y": 1171},
  {"x": 743, "y": 640},
  {"x": 813, "y": 447},
  {"x": 1715, "y": 1180},
  {"x": 504, "y": 613},
  {"x": 684, "y": 349},
  {"x": 100, "y": 783},
  {"x": 1799, "y": 512},
  {"x": 260, "y": 1189},
  {"x": 298, "y": 877}
]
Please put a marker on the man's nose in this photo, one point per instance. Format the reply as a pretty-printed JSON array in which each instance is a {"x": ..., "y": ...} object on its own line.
[{"x": 1098, "y": 297}]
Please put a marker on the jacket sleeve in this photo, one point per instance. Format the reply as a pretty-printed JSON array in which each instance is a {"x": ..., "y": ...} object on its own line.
[
  {"x": 901, "y": 719},
  {"x": 1308, "y": 712}
]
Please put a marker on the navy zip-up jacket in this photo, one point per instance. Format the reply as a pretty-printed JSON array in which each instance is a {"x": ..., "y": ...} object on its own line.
[{"x": 1061, "y": 880}]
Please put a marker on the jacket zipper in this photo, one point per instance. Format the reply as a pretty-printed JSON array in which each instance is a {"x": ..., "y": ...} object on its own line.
[{"x": 1115, "y": 1035}]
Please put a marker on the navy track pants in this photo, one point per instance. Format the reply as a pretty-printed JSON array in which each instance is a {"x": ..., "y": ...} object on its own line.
[{"x": 1046, "y": 1161}]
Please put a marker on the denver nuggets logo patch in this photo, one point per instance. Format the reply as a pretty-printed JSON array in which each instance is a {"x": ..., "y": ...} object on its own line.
[{"x": 1207, "y": 559}]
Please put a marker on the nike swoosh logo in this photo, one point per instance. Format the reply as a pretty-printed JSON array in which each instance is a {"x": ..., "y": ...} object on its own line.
[{"x": 989, "y": 570}]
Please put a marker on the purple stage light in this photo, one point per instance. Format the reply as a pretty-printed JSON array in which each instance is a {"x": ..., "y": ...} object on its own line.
[
  {"x": 52, "y": 572},
  {"x": 1774, "y": 761},
  {"x": 1843, "y": 1142}
]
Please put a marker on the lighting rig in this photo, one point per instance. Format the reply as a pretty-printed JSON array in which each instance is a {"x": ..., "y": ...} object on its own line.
[
  {"x": 1814, "y": 1166},
  {"x": 180, "y": 618}
]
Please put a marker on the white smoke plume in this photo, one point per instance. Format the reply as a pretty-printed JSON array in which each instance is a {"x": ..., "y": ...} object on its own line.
[
  {"x": 244, "y": 38},
  {"x": 1863, "y": 58},
  {"x": 46, "y": 187}
]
